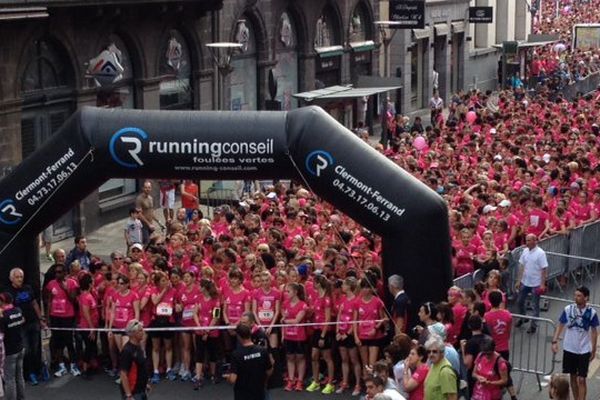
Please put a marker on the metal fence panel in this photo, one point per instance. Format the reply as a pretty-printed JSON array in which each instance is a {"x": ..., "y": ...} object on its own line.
[
  {"x": 576, "y": 249},
  {"x": 464, "y": 282},
  {"x": 557, "y": 265}
]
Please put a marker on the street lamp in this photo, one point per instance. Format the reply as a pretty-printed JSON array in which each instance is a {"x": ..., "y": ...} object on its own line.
[
  {"x": 387, "y": 35},
  {"x": 221, "y": 53}
]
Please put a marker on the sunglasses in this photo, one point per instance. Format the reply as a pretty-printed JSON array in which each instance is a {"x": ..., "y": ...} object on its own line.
[
  {"x": 136, "y": 251},
  {"x": 118, "y": 258},
  {"x": 121, "y": 283},
  {"x": 433, "y": 351}
]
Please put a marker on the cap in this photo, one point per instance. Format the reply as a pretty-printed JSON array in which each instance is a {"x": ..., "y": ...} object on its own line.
[
  {"x": 575, "y": 186},
  {"x": 489, "y": 208},
  {"x": 303, "y": 270},
  {"x": 493, "y": 131},
  {"x": 498, "y": 157},
  {"x": 133, "y": 326},
  {"x": 272, "y": 196},
  {"x": 546, "y": 158},
  {"x": 505, "y": 203},
  {"x": 137, "y": 246}
]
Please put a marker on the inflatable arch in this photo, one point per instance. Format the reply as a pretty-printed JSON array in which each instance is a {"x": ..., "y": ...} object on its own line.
[{"x": 305, "y": 144}]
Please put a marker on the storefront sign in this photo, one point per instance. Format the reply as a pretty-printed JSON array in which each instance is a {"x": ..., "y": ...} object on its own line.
[
  {"x": 408, "y": 14},
  {"x": 362, "y": 57},
  {"x": 481, "y": 15},
  {"x": 328, "y": 64}
]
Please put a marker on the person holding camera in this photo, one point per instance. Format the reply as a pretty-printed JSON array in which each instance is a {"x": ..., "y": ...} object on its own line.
[{"x": 250, "y": 367}]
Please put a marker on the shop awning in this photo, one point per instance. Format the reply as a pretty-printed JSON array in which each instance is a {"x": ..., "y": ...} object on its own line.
[
  {"x": 421, "y": 33},
  {"x": 442, "y": 29},
  {"x": 526, "y": 45},
  {"x": 17, "y": 13},
  {"x": 362, "y": 46},
  {"x": 342, "y": 92},
  {"x": 458, "y": 26},
  {"x": 329, "y": 51}
]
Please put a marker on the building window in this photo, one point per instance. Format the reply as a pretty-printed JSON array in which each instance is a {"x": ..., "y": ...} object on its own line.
[
  {"x": 286, "y": 70},
  {"x": 243, "y": 80},
  {"x": 176, "y": 74}
]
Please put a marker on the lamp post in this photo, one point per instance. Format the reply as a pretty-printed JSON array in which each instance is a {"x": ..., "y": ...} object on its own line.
[
  {"x": 221, "y": 53},
  {"x": 387, "y": 35}
]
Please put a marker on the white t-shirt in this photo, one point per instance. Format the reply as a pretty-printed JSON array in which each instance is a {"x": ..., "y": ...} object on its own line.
[
  {"x": 534, "y": 262},
  {"x": 398, "y": 377},
  {"x": 393, "y": 394},
  {"x": 578, "y": 323}
]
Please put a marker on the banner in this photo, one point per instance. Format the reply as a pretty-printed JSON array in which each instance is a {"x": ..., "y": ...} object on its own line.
[
  {"x": 481, "y": 15},
  {"x": 407, "y": 14}
]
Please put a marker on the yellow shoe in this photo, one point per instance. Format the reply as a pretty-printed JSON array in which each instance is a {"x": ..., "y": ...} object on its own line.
[
  {"x": 329, "y": 389},
  {"x": 314, "y": 386}
]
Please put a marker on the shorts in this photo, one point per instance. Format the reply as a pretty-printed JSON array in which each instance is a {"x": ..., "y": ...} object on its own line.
[
  {"x": 347, "y": 343},
  {"x": 372, "y": 342},
  {"x": 161, "y": 323},
  {"x": 576, "y": 364},
  {"x": 327, "y": 343},
  {"x": 294, "y": 347},
  {"x": 167, "y": 198}
]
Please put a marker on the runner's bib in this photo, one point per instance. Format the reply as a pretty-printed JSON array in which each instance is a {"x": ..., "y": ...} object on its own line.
[
  {"x": 188, "y": 313},
  {"x": 266, "y": 315},
  {"x": 164, "y": 310}
]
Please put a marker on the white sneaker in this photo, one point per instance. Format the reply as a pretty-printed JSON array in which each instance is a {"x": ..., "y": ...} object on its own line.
[
  {"x": 74, "y": 370},
  {"x": 62, "y": 370}
]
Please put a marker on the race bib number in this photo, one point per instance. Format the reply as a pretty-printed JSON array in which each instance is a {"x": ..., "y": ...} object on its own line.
[
  {"x": 187, "y": 314},
  {"x": 266, "y": 315},
  {"x": 121, "y": 314},
  {"x": 59, "y": 306},
  {"x": 164, "y": 310}
]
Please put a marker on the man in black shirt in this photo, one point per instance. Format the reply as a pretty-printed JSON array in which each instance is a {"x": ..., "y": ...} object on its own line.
[
  {"x": 250, "y": 367},
  {"x": 134, "y": 376},
  {"x": 11, "y": 325},
  {"x": 400, "y": 305},
  {"x": 25, "y": 299}
]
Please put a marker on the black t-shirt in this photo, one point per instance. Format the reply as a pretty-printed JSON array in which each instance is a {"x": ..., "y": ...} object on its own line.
[
  {"x": 133, "y": 362},
  {"x": 23, "y": 298},
  {"x": 11, "y": 325},
  {"x": 250, "y": 364}
]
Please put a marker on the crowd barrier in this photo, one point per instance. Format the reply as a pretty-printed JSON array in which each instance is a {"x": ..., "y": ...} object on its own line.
[
  {"x": 584, "y": 86},
  {"x": 217, "y": 196},
  {"x": 530, "y": 353}
]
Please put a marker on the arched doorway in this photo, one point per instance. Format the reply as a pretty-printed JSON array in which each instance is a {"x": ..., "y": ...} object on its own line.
[
  {"x": 243, "y": 81},
  {"x": 175, "y": 72},
  {"x": 47, "y": 89}
]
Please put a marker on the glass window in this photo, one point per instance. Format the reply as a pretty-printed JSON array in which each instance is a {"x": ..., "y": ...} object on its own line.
[
  {"x": 286, "y": 70},
  {"x": 45, "y": 69},
  {"x": 176, "y": 74},
  {"x": 243, "y": 78}
]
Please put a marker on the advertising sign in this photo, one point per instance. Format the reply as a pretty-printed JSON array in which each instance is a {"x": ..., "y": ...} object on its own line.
[
  {"x": 407, "y": 14},
  {"x": 481, "y": 15}
]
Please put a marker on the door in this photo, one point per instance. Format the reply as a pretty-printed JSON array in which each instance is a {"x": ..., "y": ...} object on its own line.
[{"x": 37, "y": 125}]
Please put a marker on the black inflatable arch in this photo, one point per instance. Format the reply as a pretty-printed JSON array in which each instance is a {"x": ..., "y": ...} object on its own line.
[{"x": 97, "y": 144}]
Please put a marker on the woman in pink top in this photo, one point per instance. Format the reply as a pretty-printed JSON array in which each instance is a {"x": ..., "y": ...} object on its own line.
[
  {"x": 125, "y": 306},
  {"x": 88, "y": 319},
  {"x": 163, "y": 317},
  {"x": 187, "y": 299},
  {"x": 62, "y": 293},
  {"x": 345, "y": 335},
  {"x": 490, "y": 373},
  {"x": 415, "y": 373},
  {"x": 266, "y": 306},
  {"x": 294, "y": 337},
  {"x": 236, "y": 301},
  {"x": 369, "y": 331},
  {"x": 207, "y": 313},
  {"x": 322, "y": 337}
]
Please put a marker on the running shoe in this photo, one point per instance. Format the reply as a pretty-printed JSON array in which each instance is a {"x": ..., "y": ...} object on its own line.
[
  {"x": 171, "y": 375},
  {"x": 113, "y": 373},
  {"x": 299, "y": 386},
  {"x": 155, "y": 378},
  {"x": 313, "y": 387},
  {"x": 75, "y": 370},
  {"x": 187, "y": 376},
  {"x": 356, "y": 391},
  {"x": 62, "y": 370},
  {"x": 33, "y": 379},
  {"x": 329, "y": 389},
  {"x": 290, "y": 386},
  {"x": 343, "y": 387}
]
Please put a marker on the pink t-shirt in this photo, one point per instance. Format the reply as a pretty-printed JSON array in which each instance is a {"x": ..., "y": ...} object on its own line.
[
  {"x": 369, "y": 313},
  {"x": 165, "y": 309},
  {"x": 464, "y": 258},
  {"x": 460, "y": 312},
  {"x": 235, "y": 304},
  {"x": 346, "y": 314},
  {"x": 61, "y": 306},
  {"x": 124, "y": 311},
  {"x": 88, "y": 300},
  {"x": 499, "y": 323},
  {"x": 206, "y": 308},
  {"x": 291, "y": 311},
  {"x": 188, "y": 298},
  {"x": 419, "y": 375},
  {"x": 537, "y": 221},
  {"x": 265, "y": 304},
  {"x": 484, "y": 366},
  {"x": 319, "y": 307},
  {"x": 146, "y": 312}
]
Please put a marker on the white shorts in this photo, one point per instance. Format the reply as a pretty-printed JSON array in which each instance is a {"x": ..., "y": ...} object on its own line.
[{"x": 167, "y": 199}]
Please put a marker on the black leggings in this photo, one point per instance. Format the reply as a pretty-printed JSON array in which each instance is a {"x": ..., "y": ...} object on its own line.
[
  {"x": 87, "y": 349},
  {"x": 206, "y": 349},
  {"x": 61, "y": 339}
]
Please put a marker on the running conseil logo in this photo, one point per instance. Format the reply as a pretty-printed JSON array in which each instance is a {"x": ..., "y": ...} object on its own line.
[
  {"x": 8, "y": 212},
  {"x": 317, "y": 161},
  {"x": 126, "y": 145}
]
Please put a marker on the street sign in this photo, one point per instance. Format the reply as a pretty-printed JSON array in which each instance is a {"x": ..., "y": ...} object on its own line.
[
  {"x": 481, "y": 15},
  {"x": 407, "y": 14}
]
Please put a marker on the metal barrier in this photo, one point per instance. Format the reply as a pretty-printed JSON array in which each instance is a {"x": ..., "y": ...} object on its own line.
[
  {"x": 478, "y": 276},
  {"x": 464, "y": 282},
  {"x": 530, "y": 353},
  {"x": 218, "y": 196},
  {"x": 584, "y": 86}
]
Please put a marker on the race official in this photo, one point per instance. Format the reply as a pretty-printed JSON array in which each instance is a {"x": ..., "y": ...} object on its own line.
[
  {"x": 580, "y": 323},
  {"x": 532, "y": 278},
  {"x": 11, "y": 325},
  {"x": 250, "y": 367},
  {"x": 134, "y": 376}
]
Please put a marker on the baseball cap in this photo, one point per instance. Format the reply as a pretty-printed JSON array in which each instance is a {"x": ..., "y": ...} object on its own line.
[
  {"x": 489, "y": 208},
  {"x": 272, "y": 196},
  {"x": 137, "y": 246},
  {"x": 505, "y": 203},
  {"x": 303, "y": 270}
]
